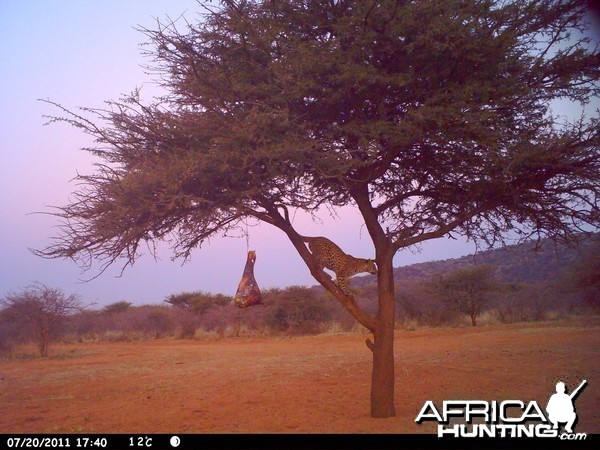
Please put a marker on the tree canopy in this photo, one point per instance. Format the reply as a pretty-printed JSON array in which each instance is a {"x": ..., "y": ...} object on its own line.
[{"x": 434, "y": 115}]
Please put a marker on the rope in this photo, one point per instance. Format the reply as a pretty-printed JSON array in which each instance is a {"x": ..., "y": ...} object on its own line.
[{"x": 247, "y": 234}]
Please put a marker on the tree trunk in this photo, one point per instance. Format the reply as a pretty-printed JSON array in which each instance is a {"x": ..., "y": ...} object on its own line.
[
  {"x": 382, "y": 379},
  {"x": 474, "y": 320},
  {"x": 43, "y": 344}
]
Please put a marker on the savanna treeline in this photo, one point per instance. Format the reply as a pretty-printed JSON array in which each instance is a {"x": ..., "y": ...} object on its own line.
[{"x": 465, "y": 295}]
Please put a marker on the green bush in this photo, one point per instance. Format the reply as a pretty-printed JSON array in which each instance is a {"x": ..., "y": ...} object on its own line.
[{"x": 199, "y": 302}]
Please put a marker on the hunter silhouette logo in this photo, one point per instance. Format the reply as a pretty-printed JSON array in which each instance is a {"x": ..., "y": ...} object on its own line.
[
  {"x": 560, "y": 407},
  {"x": 507, "y": 418}
]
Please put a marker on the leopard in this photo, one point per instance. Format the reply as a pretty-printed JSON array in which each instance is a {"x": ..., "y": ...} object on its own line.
[{"x": 328, "y": 255}]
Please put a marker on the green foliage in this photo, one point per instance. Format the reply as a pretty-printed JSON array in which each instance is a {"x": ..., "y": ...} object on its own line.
[
  {"x": 431, "y": 117},
  {"x": 199, "y": 302}
]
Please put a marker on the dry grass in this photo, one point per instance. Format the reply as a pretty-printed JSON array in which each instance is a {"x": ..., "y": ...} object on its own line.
[{"x": 290, "y": 384}]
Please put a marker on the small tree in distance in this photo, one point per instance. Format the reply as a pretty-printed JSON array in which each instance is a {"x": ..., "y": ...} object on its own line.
[
  {"x": 43, "y": 308},
  {"x": 198, "y": 302},
  {"x": 468, "y": 288},
  {"x": 428, "y": 117}
]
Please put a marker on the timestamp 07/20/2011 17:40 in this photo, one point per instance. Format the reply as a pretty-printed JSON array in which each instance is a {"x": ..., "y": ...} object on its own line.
[{"x": 91, "y": 442}]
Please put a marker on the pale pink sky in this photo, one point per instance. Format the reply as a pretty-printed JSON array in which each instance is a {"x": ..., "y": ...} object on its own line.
[{"x": 81, "y": 53}]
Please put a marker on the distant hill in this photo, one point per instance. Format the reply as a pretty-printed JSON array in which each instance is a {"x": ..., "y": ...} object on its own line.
[{"x": 520, "y": 263}]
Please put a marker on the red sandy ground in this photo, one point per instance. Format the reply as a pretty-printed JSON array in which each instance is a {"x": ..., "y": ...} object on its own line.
[{"x": 293, "y": 385}]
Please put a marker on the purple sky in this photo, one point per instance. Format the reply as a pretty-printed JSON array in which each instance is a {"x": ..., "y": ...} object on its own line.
[{"x": 81, "y": 53}]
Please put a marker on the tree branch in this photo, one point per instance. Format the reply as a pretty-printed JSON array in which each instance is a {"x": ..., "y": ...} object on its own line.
[
  {"x": 347, "y": 301},
  {"x": 438, "y": 233}
]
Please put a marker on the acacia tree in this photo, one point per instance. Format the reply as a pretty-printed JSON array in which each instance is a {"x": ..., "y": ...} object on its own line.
[
  {"x": 468, "y": 288},
  {"x": 199, "y": 302},
  {"x": 430, "y": 117},
  {"x": 43, "y": 308}
]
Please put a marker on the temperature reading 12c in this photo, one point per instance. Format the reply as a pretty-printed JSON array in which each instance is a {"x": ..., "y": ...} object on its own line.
[{"x": 140, "y": 441}]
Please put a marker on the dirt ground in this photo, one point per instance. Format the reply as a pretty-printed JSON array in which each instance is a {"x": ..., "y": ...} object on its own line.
[{"x": 293, "y": 385}]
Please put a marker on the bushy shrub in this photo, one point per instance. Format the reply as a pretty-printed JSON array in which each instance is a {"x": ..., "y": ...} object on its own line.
[
  {"x": 11, "y": 332},
  {"x": 527, "y": 302},
  {"x": 117, "y": 307},
  {"x": 38, "y": 312},
  {"x": 583, "y": 278},
  {"x": 199, "y": 302},
  {"x": 135, "y": 322},
  {"x": 418, "y": 304},
  {"x": 297, "y": 310},
  {"x": 291, "y": 311}
]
